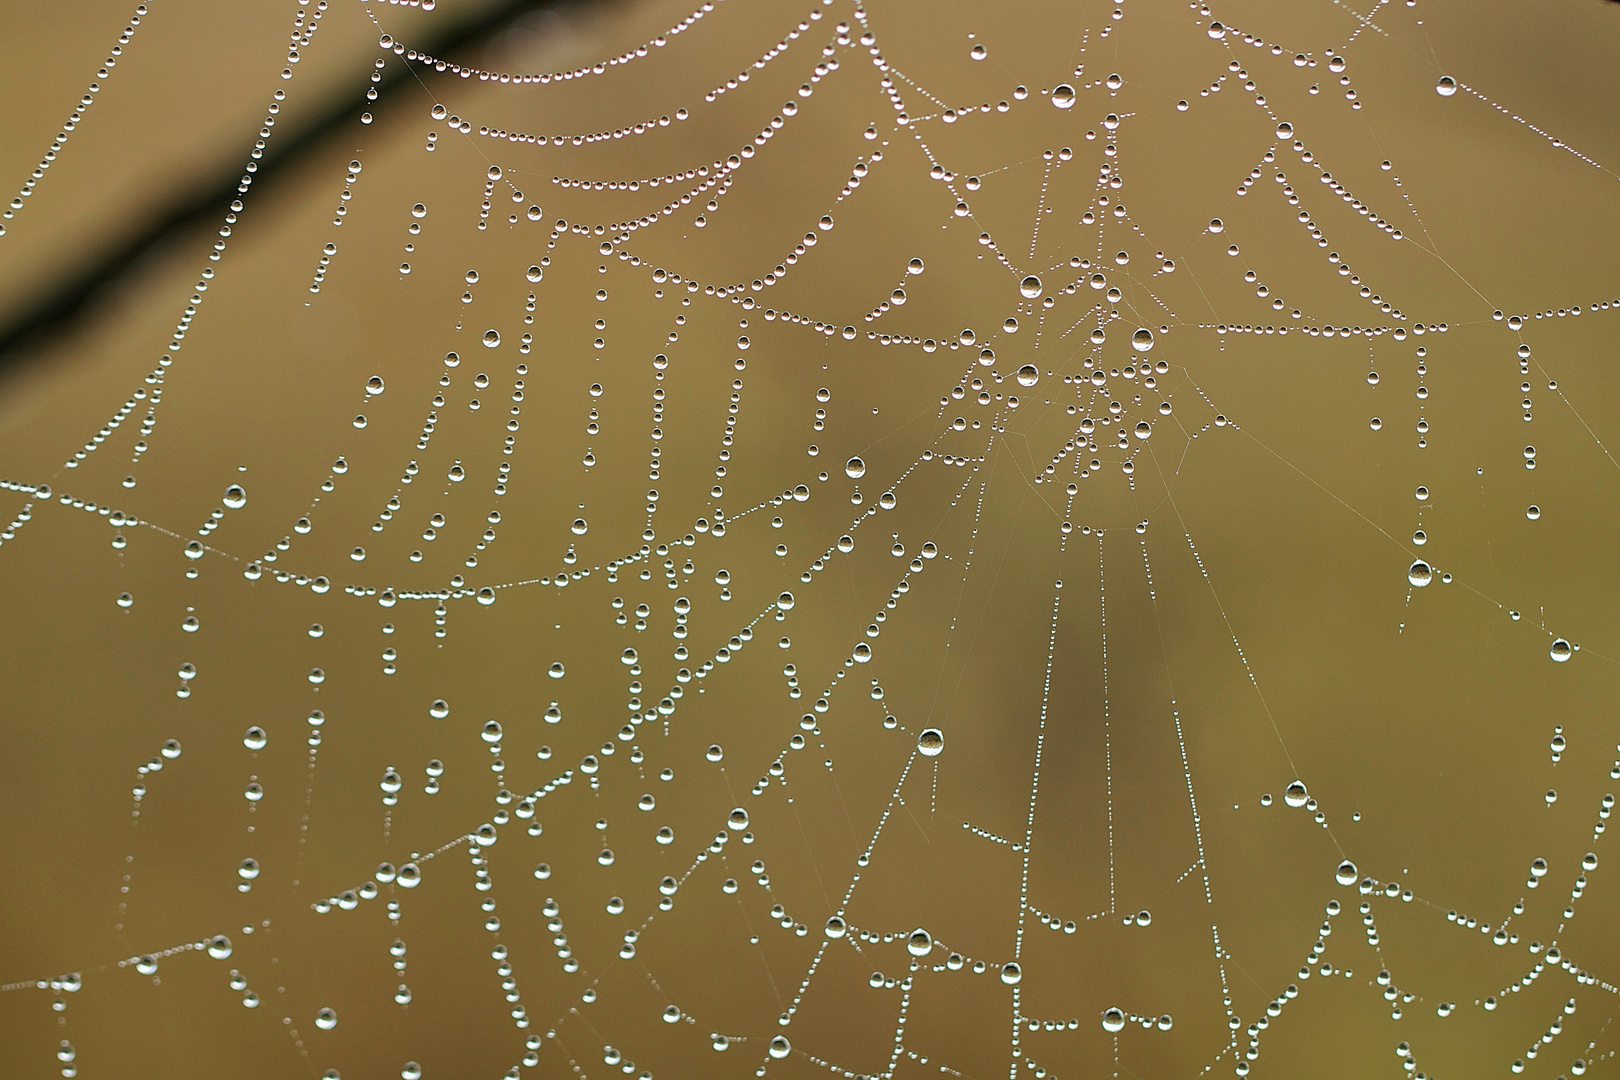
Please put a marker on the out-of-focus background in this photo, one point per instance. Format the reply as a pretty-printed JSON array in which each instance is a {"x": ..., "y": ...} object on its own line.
[{"x": 965, "y": 539}]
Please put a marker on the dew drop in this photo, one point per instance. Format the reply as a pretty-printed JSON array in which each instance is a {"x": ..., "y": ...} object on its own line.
[
  {"x": 1419, "y": 573},
  {"x": 854, "y": 468},
  {"x": 492, "y": 338},
  {"x": 1295, "y": 795},
  {"x": 1028, "y": 375},
  {"x": 326, "y": 1019},
  {"x": 1142, "y": 340},
  {"x": 1030, "y": 287},
  {"x": 1347, "y": 873},
  {"x": 1446, "y": 86},
  {"x": 1561, "y": 650},
  {"x": 1063, "y": 95},
  {"x": 930, "y": 742}
]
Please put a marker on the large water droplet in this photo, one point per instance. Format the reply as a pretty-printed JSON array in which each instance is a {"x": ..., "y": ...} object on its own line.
[
  {"x": 1142, "y": 340},
  {"x": 855, "y": 468},
  {"x": 1063, "y": 95},
  {"x": 930, "y": 742},
  {"x": 1561, "y": 650},
  {"x": 1419, "y": 573},
  {"x": 1446, "y": 86},
  {"x": 1030, "y": 287}
]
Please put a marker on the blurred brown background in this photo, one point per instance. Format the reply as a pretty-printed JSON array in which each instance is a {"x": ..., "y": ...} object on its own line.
[{"x": 1170, "y": 647}]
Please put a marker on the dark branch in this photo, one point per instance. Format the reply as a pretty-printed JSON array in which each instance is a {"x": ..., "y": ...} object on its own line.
[{"x": 61, "y": 304}]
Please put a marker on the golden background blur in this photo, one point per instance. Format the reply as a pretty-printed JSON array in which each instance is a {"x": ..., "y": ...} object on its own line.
[{"x": 1128, "y": 667}]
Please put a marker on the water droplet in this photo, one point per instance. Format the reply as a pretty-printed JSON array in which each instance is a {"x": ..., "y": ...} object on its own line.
[
  {"x": 1346, "y": 873},
  {"x": 920, "y": 943},
  {"x": 235, "y": 497},
  {"x": 1113, "y": 1020},
  {"x": 1419, "y": 573},
  {"x": 1217, "y": 225},
  {"x": 978, "y": 52},
  {"x": 780, "y": 1047},
  {"x": 219, "y": 947},
  {"x": 1142, "y": 340},
  {"x": 326, "y": 1019},
  {"x": 1028, "y": 375},
  {"x": 855, "y": 468},
  {"x": 930, "y": 742},
  {"x": 1063, "y": 95},
  {"x": 1561, "y": 650},
  {"x": 1011, "y": 973},
  {"x": 1446, "y": 86},
  {"x": 1295, "y": 795},
  {"x": 255, "y": 739},
  {"x": 1030, "y": 287},
  {"x": 492, "y": 338},
  {"x": 737, "y": 820},
  {"x": 535, "y": 273}
]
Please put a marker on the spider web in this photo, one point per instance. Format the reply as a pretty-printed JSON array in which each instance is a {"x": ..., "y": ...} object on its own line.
[{"x": 827, "y": 539}]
